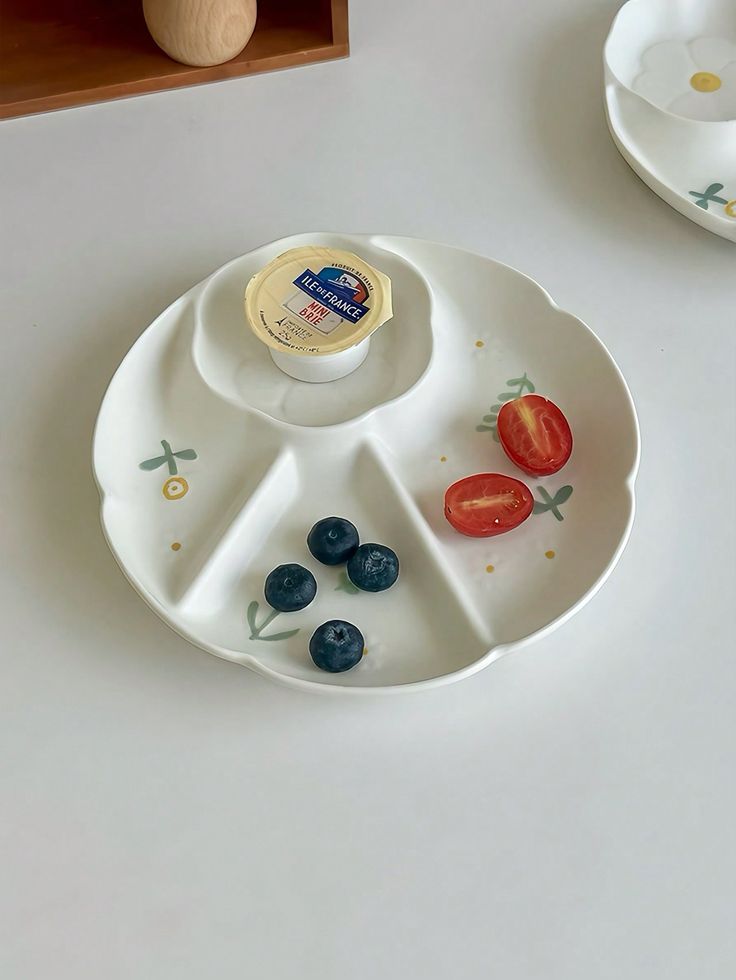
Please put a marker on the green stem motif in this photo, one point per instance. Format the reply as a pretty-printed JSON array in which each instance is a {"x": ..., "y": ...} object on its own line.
[
  {"x": 522, "y": 385},
  {"x": 169, "y": 458},
  {"x": 256, "y": 629},
  {"x": 345, "y": 585},
  {"x": 548, "y": 503}
]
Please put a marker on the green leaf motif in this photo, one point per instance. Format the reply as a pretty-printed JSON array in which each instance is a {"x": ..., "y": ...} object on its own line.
[
  {"x": 168, "y": 458},
  {"x": 279, "y": 636},
  {"x": 251, "y": 615},
  {"x": 708, "y": 196},
  {"x": 152, "y": 464},
  {"x": 522, "y": 384},
  {"x": 256, "y": 631},
  {"x": 345, "y": 585},
  {"x": 552, "y": 504}
]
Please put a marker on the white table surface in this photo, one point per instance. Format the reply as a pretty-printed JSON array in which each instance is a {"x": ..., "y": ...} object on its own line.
[{"x": 567, "y": 814}]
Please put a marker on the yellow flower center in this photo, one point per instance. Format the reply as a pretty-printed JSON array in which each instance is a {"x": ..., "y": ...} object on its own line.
[
  {"x": 705, "y": 81},
  {"x": 175, "y": 487}
]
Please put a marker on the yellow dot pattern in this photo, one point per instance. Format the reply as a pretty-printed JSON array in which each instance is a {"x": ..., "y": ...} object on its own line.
[
  {"x": 176, "y": 546},
  {"x": 549, "y": 554},
  {"x": 443, "y": 459},
  {"x": 479, "y": 343},
  {"x": 705, "y": 81},
  {"x": 490, "y": 568}
]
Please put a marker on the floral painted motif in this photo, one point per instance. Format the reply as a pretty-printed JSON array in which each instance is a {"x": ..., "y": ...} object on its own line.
[
  {"x": 256, "y": 629},
  {"x": 711, "y": 195},
  {"x": 176, "y": 486},
  {"x": 552, "y": 504},
  {"x": 695, "y": 79}
]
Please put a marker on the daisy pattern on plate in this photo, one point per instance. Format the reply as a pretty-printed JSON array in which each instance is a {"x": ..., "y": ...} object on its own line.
[{"x": 695, "y": 79}]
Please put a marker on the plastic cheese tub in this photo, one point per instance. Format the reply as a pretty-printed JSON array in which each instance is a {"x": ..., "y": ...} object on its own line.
[{"x": 315, "y": 309}]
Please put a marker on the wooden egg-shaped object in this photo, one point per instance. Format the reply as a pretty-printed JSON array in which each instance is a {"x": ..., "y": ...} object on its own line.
[{"x": 200, "y": 32}]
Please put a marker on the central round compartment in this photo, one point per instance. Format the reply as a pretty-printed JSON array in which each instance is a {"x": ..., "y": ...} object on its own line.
[{"x": 235, "y": 364}]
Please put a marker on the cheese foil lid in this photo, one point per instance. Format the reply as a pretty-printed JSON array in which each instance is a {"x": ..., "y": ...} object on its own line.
[{"x": 314, "y": 301}]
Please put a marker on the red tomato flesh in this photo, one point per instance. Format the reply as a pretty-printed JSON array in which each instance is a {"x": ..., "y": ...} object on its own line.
[
  {"x": 534, "y": 435},
  {"x": 487, "y": 504}
]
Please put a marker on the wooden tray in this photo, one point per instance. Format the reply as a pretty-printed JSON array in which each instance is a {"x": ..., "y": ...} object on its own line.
[{"x": 60, "y": 53}]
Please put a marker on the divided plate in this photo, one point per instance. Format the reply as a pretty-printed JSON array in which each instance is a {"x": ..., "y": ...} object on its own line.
[
  {"x": 212, "y": 466},
  {"x": 671, "y": 103}
]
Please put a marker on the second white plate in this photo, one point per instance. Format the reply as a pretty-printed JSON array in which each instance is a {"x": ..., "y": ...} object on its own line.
[{"x": 671, "y": 103}]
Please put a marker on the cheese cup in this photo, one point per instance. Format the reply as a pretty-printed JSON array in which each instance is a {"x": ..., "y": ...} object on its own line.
[{"x": 315, "y": 309}]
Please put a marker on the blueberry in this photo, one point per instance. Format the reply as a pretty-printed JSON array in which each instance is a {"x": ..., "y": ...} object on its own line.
[
  {"x": 336, "y": 646},
  {"x": 373, "y": 568},
  {"x": 333, "y": 540},
  {"x": 290, "y": 587}
]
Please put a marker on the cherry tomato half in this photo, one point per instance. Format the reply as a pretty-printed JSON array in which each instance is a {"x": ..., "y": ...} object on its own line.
[
  {"x": 534, "y": 434},
  {"x": 487, "y": 504}
]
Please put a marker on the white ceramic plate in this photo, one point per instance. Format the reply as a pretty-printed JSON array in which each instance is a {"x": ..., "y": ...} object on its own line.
[
  {"x": 212, "y": 466},
  {"x": 671, "y": 103}
]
